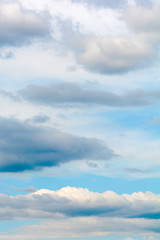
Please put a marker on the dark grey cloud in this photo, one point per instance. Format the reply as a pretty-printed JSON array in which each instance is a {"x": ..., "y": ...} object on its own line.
[
  {"x": 19, "y": 26},
  {"x": 70, "y": 93},
  {"x": 78, "y": 202},
  {"x": 26, "y": 147}
]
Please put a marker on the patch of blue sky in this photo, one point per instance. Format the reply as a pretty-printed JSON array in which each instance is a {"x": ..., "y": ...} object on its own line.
[
  {"x": 94, "y": 183},
  {"x": 9, "y": 225},
  {"x": 131, "y": 118}
]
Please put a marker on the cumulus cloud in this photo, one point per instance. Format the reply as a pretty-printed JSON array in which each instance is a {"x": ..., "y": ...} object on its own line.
[
  {"x": 73, "y": 212},
  {"x": 18, "y": 26},
  {"x": 122, "y": 53},
  {"x": 115, "y": 55},
  {"x": 26, "y": 147},
  {"x": 71, "y": 93},
  {"x": 78, "y": 202}
]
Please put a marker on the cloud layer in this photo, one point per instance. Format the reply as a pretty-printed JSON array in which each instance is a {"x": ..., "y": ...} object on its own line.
[
  {"x": 27, "y": 147},
  {"x": 77, "y": 212},
  {"x": 74, "y": 202}
]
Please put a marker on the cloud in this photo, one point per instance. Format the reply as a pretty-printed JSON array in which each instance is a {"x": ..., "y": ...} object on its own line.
[
  {"x": 71, "y": 93},
  {"x": 113, "y": 3},
  {"x": 19, "y": 26},
  {"x": 73, "y": 212},
  {"x": 79, "y": 202},
  {"x": 115, "y": 55},
  {"x": 26, "y": 147},
  {"x": 82, "y": 227},
  {"x": 41, "y": 118},
  {"x": 150, "y": 18},
  {"x": 27, "y": 190},
  {"x": 5, "y": 54},
  {"x": 103, "y": 3},
  {"x": 118, "y": 54},
  {"x": 138, "y": 170}
]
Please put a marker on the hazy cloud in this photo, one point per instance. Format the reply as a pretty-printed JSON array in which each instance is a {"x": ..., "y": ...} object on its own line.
[
  {"x": 41, "y": 118},
  {"x": 71, "y": 93},
  {"x": 26, "y": 147},
  {"x": 103, "y": 3},
  {"x": 138, "y": 170},
  {"x": 26, "y": 190}
]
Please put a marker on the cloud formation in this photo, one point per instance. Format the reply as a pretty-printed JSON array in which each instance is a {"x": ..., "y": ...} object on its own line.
[
  {"x": 18, "y": 26},
  {"x": 26, "y": 147},
  {"x": 83, "y": 227},
  {"x": 77, "y": 212},
  {"x": 79, "y": 202},
  {"x": 119, "y": 54},
  {"x": 71, "y": 93}
]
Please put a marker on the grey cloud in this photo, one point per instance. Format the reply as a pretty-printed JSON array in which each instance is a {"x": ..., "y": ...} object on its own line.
[
  {"x": 122, "y": 54},
  {"x": 84, "y": 227},
  {"x": 70, "y": 93},
  {"x": 113, "y": 3},
  {"x": 114, "y": 55},
  {"x": 137, "y": 170},
  {"x": 144, "y": 19},
  {"x": 103, "y": 3},
  {"x": 27, "y": 190},
  {"x": 41, "y": 118},
  {"x": 78, "y": 202},
  {"x": 26, "y": 147},
  {"x": 18, "y": 26}
]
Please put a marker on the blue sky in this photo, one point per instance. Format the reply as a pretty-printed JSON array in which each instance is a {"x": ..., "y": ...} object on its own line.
[{"x": 79, "y": 119}]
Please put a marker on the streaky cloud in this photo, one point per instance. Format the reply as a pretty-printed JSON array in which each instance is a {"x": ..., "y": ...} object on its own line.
[{"x": 71, "y": 94}]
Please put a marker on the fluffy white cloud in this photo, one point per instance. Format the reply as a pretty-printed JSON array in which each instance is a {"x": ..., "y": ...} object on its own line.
[
  {"x": 74, "y": 202},
  {"x": 77, "y": 212}
]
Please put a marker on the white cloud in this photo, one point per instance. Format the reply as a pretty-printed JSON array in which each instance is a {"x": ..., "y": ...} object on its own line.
[
  {"x": 77, "y": 202},
  {"x": 77, "y": 212}
]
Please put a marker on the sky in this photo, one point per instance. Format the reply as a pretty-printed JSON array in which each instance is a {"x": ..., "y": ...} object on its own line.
[{"x": 79, "y": 119}]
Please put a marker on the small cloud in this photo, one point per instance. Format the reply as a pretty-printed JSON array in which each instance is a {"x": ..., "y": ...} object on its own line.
[
  {"x": 138, "y": 170},
  {"x": 30, "y": 189}
]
